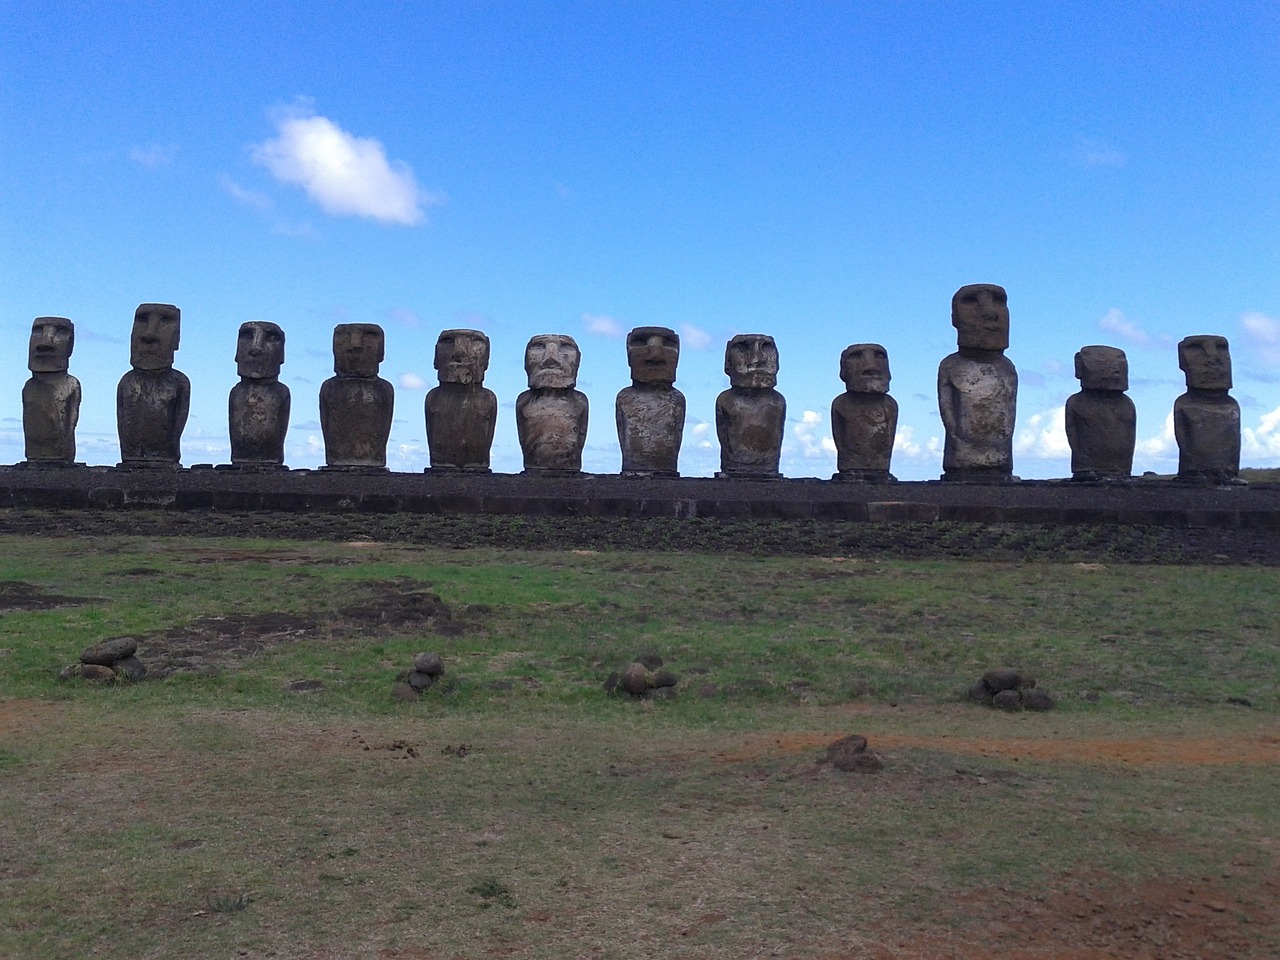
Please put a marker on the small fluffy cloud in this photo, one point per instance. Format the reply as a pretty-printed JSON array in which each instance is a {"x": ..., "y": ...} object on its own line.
[
  {"x": 603, "y": 326},
  {"x": 693, "y": 337},
  {"x": 153, "y": 156},
  {"x": 1096, "y": 153},
  {"x": 1263, "y": 335},
  {"x": 1162, "y": 446},
  {"x": 1263, "y": 440},
  {"x": 345, "y": 174},
  {"x": 411, "y": 381},
  {"x": 808, "y": 435},
  {"x": 1044, "y": 435},
  {"x": 905, "y": 445},
  {"x": 1114, "y": 321},
  {"x": 249, "y": 198}
]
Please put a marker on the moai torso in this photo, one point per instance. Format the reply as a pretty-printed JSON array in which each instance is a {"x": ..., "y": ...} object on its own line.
[
  {"x": 461, "y": 413},
  {"x": 1206, "y": 419},
  {"x": 751, "y": 416},
  {"x": 51, "y": 398},
  {"x": 356, "y": 405},
  {"x": 551, "y": 416},
  {"x": 1101, "y": 422},
  {"x": 650, "y": 413},
  {"x": 258, "y": 407},
  {"x": 152, "y": 399}
]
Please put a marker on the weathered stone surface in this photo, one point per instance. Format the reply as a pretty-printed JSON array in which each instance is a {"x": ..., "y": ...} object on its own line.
[
  {"x": 1206, "y": 419},
  {"x": 461, "y": 413},
  {"x": 1008, "y": 700},
  {"x": 864, "y": 419},
  {"x": 130, "y": 668},
  {"x": 551, "y": 416},
  {"x": 664, "y": 678},
  {"x": 152, "y": 399},
  {"x": 650, "y": 413},
  {"x": 109, "y": 652},
  {"x": 611, "y": 681},
  {"x": 404, "y": 692},
  {"x": 1036, "y": 699},
  {"x": 979, "y": 693},
  {"x": 635, "y": 680},
  {"x": 421, "y": 681},
  {"x": 51, "y": 398},
  {"x": 432, "y": 664},
  {"x": 356, "y": 405},
  {"x": 978, "y": 388},
  {"x": 1101, "y": 422},
  {"x": 258, "y": 406},
  {"x": 1002, "y": 679},
  {"x": 850, "y": 755},
  {"x": 751, "y": 415}
]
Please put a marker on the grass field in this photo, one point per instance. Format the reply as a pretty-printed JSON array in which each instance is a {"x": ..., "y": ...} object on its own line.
[{"x": 518, "y": 810}]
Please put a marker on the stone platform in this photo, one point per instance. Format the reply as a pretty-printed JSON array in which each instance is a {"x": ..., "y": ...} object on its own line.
[{"x": 1146, "y": 501}]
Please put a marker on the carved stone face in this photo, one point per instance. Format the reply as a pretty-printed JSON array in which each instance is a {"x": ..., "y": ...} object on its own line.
[
  {"x": 653, "y": 353},
  {"x": 1102, "y": 368},
  {"x": 551, "y": 361},
  {"x": 980, "y": 314},
  {"x": 751, "y": 361},
  {"x": 1206, "y": 360},
  {"x": 462, "y": 356},
  {"x": 864, "y": 368},
  {"x": 259, "y": 350},
  {"x": 154, "y": 340},
  {"x": 358, "y": 348},
  {"x": 52, "y": 340}
]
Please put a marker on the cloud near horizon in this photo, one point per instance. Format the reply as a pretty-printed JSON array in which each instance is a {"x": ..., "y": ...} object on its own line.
[
  {"x": 1263, "y": 335},
  {"x": 344, "y": 174},
  {"x": 603, "y": 326}
]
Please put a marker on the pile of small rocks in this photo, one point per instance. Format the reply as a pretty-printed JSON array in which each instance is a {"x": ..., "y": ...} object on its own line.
[
  {"x": 108, "y": 661},
  {"x": 1010, "y": 690},
  {"x": 851, "y": 755},
  {"x": 411, "y": 684},
  {"x": 643, "y": 677}
]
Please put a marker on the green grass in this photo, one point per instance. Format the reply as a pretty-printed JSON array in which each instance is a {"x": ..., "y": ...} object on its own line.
[{"x": 518, "y": 810}]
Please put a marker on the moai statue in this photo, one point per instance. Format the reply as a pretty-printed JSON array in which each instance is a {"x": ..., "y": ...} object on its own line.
[
  {"x": 551, "y": 416},
  {"x": 1101, "y": 421},
  {"x": 864, "y": 419},
  {"x": 650, "y": 412},
  {"x": 356, "y": 405},
  {"x": 51, "y": 398},
  {"x": 258, "y": 408},
  {"x": 461, "y": 412},
  {"x": 1206, "y": 420},
  {"x": 751, "y": 415},
  {"x": 152, "y": 399},
  {"x": 978, "y": 388}
]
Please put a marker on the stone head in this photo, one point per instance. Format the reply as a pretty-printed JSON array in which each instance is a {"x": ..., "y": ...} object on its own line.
[
  {"x": 1206, "y": 360},
  {"x": 259, "y": 350},
  {"x": 653, "y": 353},
  {"x": 52, "y": 340},
  {"x": 462, "y": 356},
  {"x": 154, "y": 340},
  {"x": 551, "y": 362},
  {"x": 751, "y": 361},
  {"x": 864, "y": 368},
  {"x": 1102, "y": 368},
  {"x": 980, "y": 314},
  {"x": 358, "y": 348}
]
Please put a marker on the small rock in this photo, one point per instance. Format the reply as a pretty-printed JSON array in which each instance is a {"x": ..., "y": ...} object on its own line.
[
  {"x": 979, "y": 693},
  {"x": 1037, "y": 699},
  {"x": 611, "y": 682},
  {"x": 429, "y": 663},
  {"x": 635, "y": 680},
  {"x": 842, "y": 752},
  {"x": 651, "y": 661},
  {"x": 420, "y": 680},
  {"x": 862, "y": 763},
  {"x": 404, "y": 693},
  {"x": 130, "y": 668},
  {"x": 96, "y": 671},
  {"x": 997, "y": 680},
  {"x": 664, "y": 678},
  {"x": 1010, "y": 700},
  {"x": 109, "y": 651},
  {"x": 71, "y": 672}
]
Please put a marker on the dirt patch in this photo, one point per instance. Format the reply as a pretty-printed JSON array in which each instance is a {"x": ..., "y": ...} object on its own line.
[
  {"x": 213, "y": 644},
  {"x": 397, "y": 603},
  {"x": 18, "y": 595},
  {"x": 1262, "y": 748},
  {"x": 22, "y": 715}
]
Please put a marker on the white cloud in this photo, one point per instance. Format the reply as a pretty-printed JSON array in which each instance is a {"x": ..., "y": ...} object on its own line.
[
  {"x": 1096, "y": 153},
  {"x": 345, "y": 174},
  {"x": 1264, "y": 440},
  {"x": 1163, "y": 445},
  {"x": 1114, "y": 321},
  {"x": 1044, "y": 435},
  {"x": 700, "y": 429},
  {"x": 153, "y": 156},
  {"x": 250, "y": 198},
  {"x": 1263, "y": 334},
  {"x": 602, "y": 325},
  {"x": 412, "y": 381},
  {"x": 905, "y": 445},
  {"x": 693, "y": 337},
  {"x": 807, "y": 434}
]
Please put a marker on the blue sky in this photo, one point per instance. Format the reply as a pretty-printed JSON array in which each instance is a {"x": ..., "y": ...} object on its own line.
[{"x": 827, "y": 173}]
